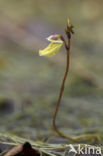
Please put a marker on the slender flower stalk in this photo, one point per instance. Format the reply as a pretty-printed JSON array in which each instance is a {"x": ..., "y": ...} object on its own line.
[
  {"x": 61, "y": 93},
  {"x": 67, "y": 47},
  {"x": 53, "y": 48}
]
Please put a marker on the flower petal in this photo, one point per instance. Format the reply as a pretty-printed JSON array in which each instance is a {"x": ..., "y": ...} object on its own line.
[
  {"x": 55, "y": 38},
  {"x": 52, "y": 49}
]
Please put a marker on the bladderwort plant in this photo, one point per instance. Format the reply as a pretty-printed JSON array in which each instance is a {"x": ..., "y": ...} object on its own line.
[{"x": 52, "y": 49}]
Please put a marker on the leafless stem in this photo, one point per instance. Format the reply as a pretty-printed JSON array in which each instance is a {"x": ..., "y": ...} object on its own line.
[
  {"x": 86, "y": 137},
  {"x": 62, "y": 89}
]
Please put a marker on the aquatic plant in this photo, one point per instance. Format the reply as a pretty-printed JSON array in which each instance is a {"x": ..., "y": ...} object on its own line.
[{"x": 57, "y": 41}]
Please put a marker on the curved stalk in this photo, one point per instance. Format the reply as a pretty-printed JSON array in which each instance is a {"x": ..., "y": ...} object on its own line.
[
  {"x": 85, "y": 137},
  {"x": 61, "y": 92}
]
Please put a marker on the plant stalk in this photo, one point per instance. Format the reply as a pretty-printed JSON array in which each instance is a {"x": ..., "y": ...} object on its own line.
[
  {"x": 85, "y": 137},
  {"x": 61, "y": 92}
]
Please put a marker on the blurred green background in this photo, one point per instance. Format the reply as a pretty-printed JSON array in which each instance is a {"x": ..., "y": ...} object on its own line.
[{"x": 29, "y": 84}]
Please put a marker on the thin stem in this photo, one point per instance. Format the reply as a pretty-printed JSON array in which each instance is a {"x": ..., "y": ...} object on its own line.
[
  {"x": 80, "y": 138},
  {"x": 61, "y": 92}
]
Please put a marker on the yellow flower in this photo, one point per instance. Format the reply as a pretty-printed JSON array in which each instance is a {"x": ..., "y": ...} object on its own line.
[{"x": 54, "y": 47}]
